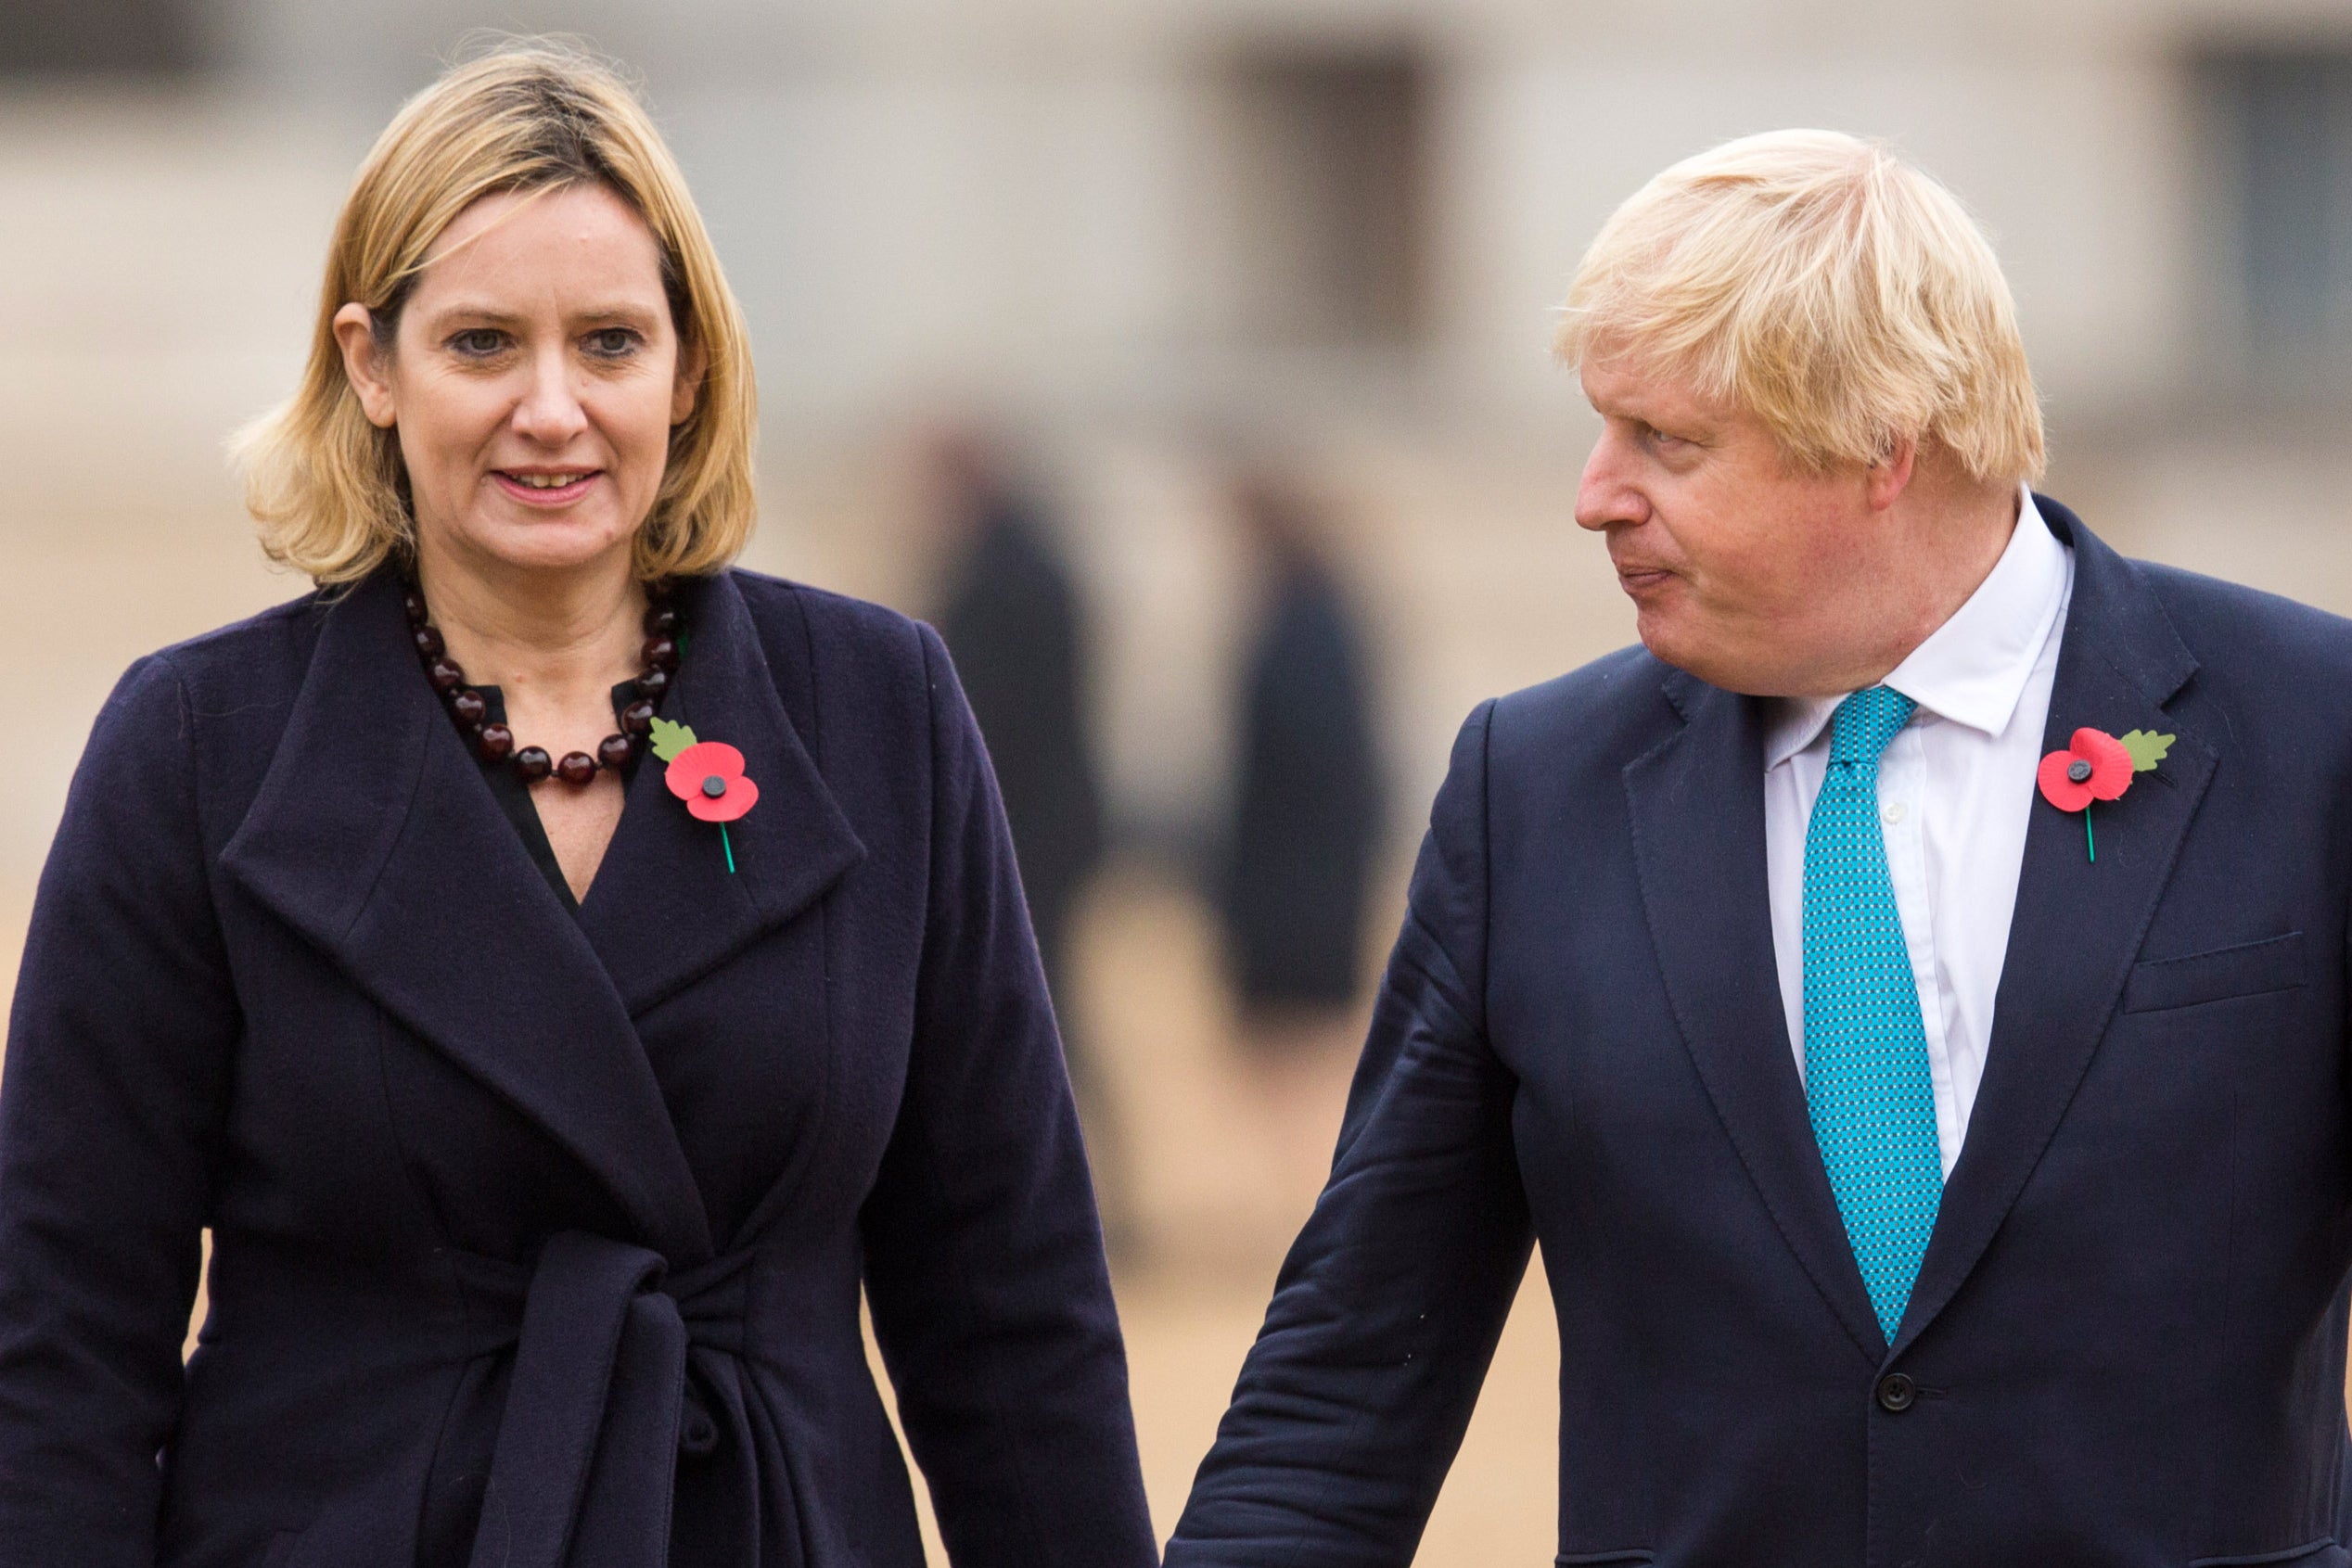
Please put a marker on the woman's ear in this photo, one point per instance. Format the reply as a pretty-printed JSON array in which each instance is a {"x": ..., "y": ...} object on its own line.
[
  {"x": 363, "y": 364},
  {"x": 692, "y": 364}
]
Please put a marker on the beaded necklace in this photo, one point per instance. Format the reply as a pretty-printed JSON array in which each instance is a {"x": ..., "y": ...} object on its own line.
[{"x": 495, "y": 742}]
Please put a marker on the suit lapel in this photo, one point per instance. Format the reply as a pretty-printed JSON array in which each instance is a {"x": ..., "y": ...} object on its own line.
[
  {"x": 1697, "y": 803},
  {"x": 2079, "y": 926},
  {"x": 375, "y": 836},
  {"x": 664, "y": 908}
]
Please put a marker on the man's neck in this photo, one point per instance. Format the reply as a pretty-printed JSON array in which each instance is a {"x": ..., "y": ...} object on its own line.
[{"x": 1954, "y": 534}]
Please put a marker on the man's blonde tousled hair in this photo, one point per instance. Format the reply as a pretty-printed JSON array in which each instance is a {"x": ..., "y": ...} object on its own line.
[
  {"x": 1841, "y": 296},
  {"x": 328, "y": 488}
]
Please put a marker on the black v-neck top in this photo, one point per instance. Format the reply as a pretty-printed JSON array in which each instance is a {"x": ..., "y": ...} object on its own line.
[{"x": 513, "y": 796}]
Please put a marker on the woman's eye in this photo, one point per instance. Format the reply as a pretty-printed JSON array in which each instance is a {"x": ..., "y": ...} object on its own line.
[
  {"x": 612, "y": 342},
  {"x": 477, "y": 342}
]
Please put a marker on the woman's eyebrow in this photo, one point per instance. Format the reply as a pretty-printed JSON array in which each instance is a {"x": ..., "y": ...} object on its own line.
[
  {"x": 496, "y": 315},
  {"x": 469, "y": 310}
]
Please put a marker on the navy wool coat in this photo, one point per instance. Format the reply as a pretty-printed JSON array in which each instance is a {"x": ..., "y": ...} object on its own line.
[
  {"x": 2126, "y": 1345},
  {"x": 293, "y": 977}
]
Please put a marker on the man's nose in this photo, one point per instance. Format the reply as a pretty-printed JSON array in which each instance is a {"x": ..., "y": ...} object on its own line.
[{"x": 1606, "y": 494}]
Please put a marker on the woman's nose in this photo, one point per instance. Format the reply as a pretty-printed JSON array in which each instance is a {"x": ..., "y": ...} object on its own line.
[{"x": 549, "y": 410}]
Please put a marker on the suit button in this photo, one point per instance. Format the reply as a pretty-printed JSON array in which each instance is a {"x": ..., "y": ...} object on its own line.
[
  {"x": 698, "y": 1435},
  {"x": 1896, "y": 1393}
]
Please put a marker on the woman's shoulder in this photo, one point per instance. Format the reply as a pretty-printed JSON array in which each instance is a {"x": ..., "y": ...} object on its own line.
[
  {"x": 836, "y": 635},
  {"x": 248, "y": 668},
  {"x": 261, "y": 653}
]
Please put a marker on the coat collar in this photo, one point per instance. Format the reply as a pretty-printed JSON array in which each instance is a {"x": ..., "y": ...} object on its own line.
[
  {"x": 1698, "y": 829},
  {"x": 374, "y": 835},
  {"x": 1697, "y": 806},
  {"x": 2079, "y": 926}
]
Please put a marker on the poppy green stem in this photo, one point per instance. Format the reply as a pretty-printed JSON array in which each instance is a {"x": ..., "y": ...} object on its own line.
[
  {"x": 728, "y": 847},
  {"x": 2090, "y": 841}
]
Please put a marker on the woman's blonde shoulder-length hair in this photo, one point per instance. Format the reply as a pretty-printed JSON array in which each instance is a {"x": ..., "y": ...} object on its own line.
[
  {"x": 328, "y": 488},
  {"x": 1840, "y": 295}
]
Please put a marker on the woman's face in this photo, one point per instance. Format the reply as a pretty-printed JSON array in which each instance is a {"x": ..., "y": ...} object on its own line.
[{"x": 533, "y": 381}]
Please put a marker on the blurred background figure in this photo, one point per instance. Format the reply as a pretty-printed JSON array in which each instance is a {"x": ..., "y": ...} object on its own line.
[
  {"x": 1015, "y": 625},
  {"x": 1306, "y": 826}
]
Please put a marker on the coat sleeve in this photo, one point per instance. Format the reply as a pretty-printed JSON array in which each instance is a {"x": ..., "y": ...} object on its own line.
[
  {"x": 1351, "y": 1407},
  {"x": 116, "y": 1079},
  {"x": 984, "y": 1258}
]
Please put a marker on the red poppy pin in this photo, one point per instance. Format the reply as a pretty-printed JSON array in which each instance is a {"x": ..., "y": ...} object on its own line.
[
  {"x": 2096, "y": 766},
  {"x": 706, "y": 775}
]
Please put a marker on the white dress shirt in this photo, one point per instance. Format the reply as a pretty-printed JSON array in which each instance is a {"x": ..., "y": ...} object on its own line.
[{"x": 1955, "y": 792}]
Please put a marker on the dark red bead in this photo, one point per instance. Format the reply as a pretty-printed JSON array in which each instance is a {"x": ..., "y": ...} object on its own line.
[
  {"x": 534, "y": 763},
  {"x": 614, "y": 752},
  {"x": 495, "y": 743},
  {"x": 661, "y": 622},
  {"x": 661, "y": 590},
  {"x": 428, "y": 642},
  {"x": 446, "y": 674},
  {"x": 637, "y": 718},
  {"x": 577, "y": 768},
  {"x": 661, "y": 653},
  {"x": 413, "y": 603},
  {"x": 468, "y": 707},
  {"x": 652, "y": 683}
]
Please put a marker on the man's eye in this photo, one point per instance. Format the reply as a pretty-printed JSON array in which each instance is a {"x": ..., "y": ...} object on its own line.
[
  {"x": 612, "y": 342},
  {"x": 477, "y": 342}
]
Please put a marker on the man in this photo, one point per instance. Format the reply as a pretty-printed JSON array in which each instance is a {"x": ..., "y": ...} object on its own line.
[{"x": 1926, "y": 1174}]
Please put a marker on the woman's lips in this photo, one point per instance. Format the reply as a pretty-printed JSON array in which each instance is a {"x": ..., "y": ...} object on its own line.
[{"x": 543, "y": 494}]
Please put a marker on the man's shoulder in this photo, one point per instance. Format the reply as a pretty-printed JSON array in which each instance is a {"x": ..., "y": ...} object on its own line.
[
  {"x": 2229, "y": 627},
  {"x": 1605, "y": 713}
]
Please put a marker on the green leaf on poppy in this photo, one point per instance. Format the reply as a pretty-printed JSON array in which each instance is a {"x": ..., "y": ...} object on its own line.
[
  {"x": 2147, "y": 748},
  {"x": 671, "y": 739}
]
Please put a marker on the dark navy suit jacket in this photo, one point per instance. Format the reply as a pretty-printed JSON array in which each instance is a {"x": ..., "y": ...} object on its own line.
[
  {"x": 2125, "y": 1345},
  {"x": 293, "y": 977}
]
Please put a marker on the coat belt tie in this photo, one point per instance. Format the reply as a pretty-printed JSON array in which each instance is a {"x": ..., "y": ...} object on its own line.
[{"x": 585, "y": 1464}]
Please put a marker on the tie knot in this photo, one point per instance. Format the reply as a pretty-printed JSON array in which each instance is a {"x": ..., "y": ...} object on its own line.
[{"x": 1865, "y": 722}]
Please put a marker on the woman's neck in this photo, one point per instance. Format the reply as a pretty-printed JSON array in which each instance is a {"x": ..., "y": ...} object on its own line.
[{"x": 553, "y": 635}]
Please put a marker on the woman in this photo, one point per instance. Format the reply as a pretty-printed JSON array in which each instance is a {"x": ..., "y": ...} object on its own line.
[{"x": 559, "y": 971}]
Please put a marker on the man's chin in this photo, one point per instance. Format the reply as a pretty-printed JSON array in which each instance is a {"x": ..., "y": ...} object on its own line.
[{"x": 1671, "y": 642}]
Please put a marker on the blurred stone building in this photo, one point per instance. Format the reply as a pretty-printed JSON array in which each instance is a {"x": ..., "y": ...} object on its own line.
[{"x": 1122, "y": 224}]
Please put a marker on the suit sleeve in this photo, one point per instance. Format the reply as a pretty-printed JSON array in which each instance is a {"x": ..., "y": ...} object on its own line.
[
  {"x": 984, "y": 1258},
  {"x": 116, "y": 1079},
  {"x": 1351, "y": 1407}
]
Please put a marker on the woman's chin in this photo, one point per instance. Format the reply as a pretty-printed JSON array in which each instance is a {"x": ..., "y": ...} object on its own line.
[{"x": 557, "y": 544}]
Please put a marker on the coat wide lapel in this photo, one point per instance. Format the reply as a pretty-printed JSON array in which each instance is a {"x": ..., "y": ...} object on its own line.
[
  {"x": 1697, "y": 803},
  {"x": 374, "y": 835},
  {"x": 2079, "y": 925},
  {"x": 665, "y": 908}
]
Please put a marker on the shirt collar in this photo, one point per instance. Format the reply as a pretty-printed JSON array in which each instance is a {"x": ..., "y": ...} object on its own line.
[{"x": 1973, "y": 669}]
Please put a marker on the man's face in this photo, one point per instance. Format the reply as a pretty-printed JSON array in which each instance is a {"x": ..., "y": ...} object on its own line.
[{"x": 1751, "y": 575}]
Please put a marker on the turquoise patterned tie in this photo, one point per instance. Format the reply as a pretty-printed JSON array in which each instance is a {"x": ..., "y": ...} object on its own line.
[{"x": 1866, "y": 1083}]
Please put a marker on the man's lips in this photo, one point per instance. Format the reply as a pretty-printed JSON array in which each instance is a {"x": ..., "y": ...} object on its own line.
[
  {"x": 541, "y": 487},
  {"x": 1634, "y": 578}
]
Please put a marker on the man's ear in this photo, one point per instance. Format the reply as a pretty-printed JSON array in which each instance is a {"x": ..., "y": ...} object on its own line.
[
  {"x": 1886, "y": 480},
  {"x": 693, "y": 362},
  {"x": 363, "y": 364}
]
